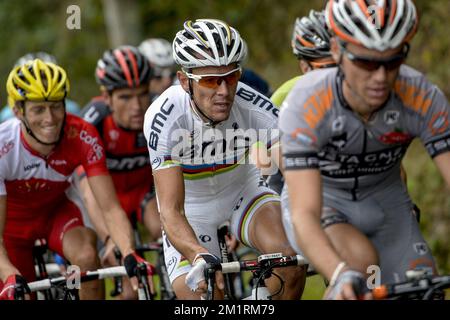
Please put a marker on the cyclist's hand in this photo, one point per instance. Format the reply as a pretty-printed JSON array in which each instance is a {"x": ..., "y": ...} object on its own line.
[
  {"x": 131, "y": 262},
  {"x": 12, "y": 285},
  {"x": 350, "y": 285},
  {"x": 195, "y": 279}
]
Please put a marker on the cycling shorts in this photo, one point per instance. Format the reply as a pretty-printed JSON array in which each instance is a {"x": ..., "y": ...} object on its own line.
[
  {"x": 19, "y": 236},
  {"x": 237, "y": 205},
  {"x": 386, "y": 216}
]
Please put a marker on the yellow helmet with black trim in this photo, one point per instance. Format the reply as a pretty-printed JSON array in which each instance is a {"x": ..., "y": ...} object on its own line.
[{"x": 37, "y": 80}]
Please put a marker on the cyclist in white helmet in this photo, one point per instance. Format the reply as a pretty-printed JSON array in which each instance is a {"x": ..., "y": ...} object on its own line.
[
  {"x": 344, "y": 133},
  {"x": 159, "y": 53},
  {"x": 199, "y": 136}
]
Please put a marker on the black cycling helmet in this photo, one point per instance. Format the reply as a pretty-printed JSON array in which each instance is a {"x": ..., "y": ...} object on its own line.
[
  {"x": 311, "y": 38},
  {"x": 123, "y": 67}
]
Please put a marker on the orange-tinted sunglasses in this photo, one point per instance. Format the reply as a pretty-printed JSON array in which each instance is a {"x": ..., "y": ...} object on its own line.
[{"x": 213, "y": 81}]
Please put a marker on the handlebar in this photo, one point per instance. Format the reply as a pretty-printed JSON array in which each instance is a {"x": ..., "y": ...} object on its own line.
[
  {"x": 265, "y": 261},
  {"x": 420, "y": 287},
  {"x": 260, "y": 267},
  {"x": 84, "y": 276}
]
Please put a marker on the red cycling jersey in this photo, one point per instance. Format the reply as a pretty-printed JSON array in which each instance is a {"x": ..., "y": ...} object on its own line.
[
  {"x": 35, "y": 187},
  {"x": 126, "y": 155}
]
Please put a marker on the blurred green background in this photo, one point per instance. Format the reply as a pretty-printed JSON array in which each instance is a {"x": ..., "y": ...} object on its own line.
[{"x": 33, "y": 25}]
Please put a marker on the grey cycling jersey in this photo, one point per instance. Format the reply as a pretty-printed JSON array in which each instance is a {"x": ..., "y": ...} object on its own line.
[
  {"x": 319, "y": 130},
  {"x": 210, "y": 157}
]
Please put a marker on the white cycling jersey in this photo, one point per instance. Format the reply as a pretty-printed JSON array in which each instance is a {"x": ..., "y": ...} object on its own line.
[
  {"x": 210, "y": 157},
  {"x": 220, "y": 184}
]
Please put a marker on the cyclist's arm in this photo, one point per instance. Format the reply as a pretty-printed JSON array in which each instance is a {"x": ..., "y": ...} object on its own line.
[
  {"x": 443, "y": 163},
  {"x": 305, "y": 199},
  {"x": 6, "y": 268},
  {"x": 170, "y": 191},
  {"x": 115, "y": 218},
  {"x": 93, "y": 210}
]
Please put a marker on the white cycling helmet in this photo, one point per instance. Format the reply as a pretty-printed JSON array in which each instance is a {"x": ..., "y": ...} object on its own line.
[
  {"x": 158, "y": 51},
  {"x": 374, "y": 24},
  {"x": 208, "y": 42},
  {"x": 44, "y": 56}
]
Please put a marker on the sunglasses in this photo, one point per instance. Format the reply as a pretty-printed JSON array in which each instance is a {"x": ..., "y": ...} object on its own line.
[
  {"x": 370, "y": 64},
  {"x": 318, "y": 64},
  {"x": 213, "y": 81}
]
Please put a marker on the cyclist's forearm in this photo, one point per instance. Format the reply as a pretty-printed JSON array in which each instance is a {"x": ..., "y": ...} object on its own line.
[
  {"x": 120, "y": 230},
  {"x": 180, "y": 233},
  {"x": 98, "y": 221},
  {"x": 315, "y": 243},
  {"x": 93, "y": 210}
]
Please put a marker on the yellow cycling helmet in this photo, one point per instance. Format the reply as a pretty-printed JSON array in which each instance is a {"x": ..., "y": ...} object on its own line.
[{"x": 37, "y": 80}]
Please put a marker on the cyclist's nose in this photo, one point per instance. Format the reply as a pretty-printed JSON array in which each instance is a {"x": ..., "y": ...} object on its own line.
[
  {"x": 223, "y": 88},
  {"x": 380, "y": 75},
  {"x": 135, "y": 102},
  {"x": 49, "y": 116}
]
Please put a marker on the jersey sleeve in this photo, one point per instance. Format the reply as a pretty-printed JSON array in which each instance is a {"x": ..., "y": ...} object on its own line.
[
  {"x": 163, "y": 134},
  {"x": 435, "y": 131},
  {"x": 5, "y": 167},
  {"x": 298, "y": 123},
  {"x": 92, "y": 152}
]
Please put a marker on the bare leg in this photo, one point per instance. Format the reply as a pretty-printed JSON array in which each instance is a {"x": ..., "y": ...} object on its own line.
[
  {"x": 79, "y": 247},
  {"x": 267, "y": 234}
]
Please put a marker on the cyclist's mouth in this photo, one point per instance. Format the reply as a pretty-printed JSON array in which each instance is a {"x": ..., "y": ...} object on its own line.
[
  {"x": 221, "y": 106},
  {"x": 137, "y": 118},
  {"x": 377, "y": 93}
]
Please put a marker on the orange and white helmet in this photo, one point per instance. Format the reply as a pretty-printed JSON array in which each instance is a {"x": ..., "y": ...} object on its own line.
[{"x": 374, "y": 24}]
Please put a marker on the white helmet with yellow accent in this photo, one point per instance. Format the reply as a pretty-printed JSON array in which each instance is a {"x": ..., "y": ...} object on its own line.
[{"x": 208, "y": 42}]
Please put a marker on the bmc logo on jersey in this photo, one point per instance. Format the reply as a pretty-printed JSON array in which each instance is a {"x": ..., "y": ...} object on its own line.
[
  {"x": 258, "y": 100},
  {"x": 158, "y": 122},
  {"x": 6, "y": 148},
  {"x": 97, "y": 148}
]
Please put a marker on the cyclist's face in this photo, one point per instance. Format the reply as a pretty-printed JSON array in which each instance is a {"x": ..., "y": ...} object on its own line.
[
  {"x": 368, "y": 89},
  {"x": 215, "y": 102},
  {"x": 128, "y": 106},
  {"x": 44, "y": 118}
]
